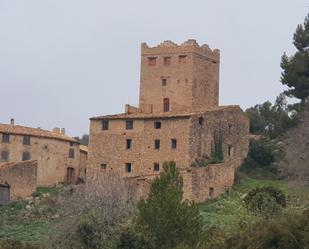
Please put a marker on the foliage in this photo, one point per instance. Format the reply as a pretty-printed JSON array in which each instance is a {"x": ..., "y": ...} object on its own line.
[
  {"x": 83, "y": 140},
  {"x": 266, "y": 201},
  {"x": 13, "y": 244},
  {"x": 165, "y": 216},
  {"x": 217, "y": 152},
  {"x": 296, "y": 68},
  {"x": 272, "y": 120},
  {"x": 91, "y": 214}
]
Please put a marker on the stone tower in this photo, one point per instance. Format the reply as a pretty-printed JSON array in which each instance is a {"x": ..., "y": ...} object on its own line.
[{"x": 179, "y": 78}]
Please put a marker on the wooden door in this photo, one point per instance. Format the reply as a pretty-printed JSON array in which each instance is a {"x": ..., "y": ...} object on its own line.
[
  {"x": 4, "y": 193},
  {"x": 70, "y": 175}
]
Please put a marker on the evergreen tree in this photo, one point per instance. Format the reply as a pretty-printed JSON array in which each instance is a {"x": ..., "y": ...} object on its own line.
[
  {"x": 164, "y": 216},
  {"x": 296, "y": 68}
]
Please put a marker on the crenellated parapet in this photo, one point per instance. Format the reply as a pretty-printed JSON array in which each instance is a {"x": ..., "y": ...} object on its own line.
[{"x": 189, "y": 46}]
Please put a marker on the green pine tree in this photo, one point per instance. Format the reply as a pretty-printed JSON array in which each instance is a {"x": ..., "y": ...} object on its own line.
[
  {"x": 296, "y": 68},
  {"x": 164, "y": 216}
]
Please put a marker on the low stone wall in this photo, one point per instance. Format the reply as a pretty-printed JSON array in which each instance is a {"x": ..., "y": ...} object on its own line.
[{"x": 21, "y": 178}]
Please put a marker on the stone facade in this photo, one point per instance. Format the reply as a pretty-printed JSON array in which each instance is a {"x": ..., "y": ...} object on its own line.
[
  {"x": 177, "y": 119},
  {"x": 19, "y": 178},
  {"x": 58, "y": 155}
]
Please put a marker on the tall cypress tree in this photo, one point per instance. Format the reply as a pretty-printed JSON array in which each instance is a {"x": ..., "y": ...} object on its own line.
[{"x": 296, "y": 67}]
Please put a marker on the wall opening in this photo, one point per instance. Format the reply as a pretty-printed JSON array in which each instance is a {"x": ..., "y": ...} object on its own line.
[
  {"x": 166, "y": 104},
  {"x": 4, "y": 194},
  {"x": 70, "y": 175},
  {"x": 211, "y": 192}
]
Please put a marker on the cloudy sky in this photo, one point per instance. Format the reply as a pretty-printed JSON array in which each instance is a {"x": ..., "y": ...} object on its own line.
[{"x": 63, "y": 61}]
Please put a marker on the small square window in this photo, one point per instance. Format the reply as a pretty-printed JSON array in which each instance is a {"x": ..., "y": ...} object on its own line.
[
  {"x": 5, "y": 138},
  {"x": 164, "y": 82},
  {"x": 156, "y": 167},
  {"x": 128, "y": 167},
  {"x": 129, "y": 124},
  {"x": 152, "y": 61},
  {"x": 26, "y": 140},
  {"x": 4, "y": 155},
  {"x": 182, "y": 59},
  {"x": 26, "y": 156},
  {"x": 103, "y": 166},
  {"x": 129, "y": 144},
  {"x": 167, "y": 61},
  {"x": 174, "y": 143},
  {"x": 157, "y": 144},
  {"x": 157, "y": 125},
  {"x": 71, "y": 153},
  {"x": 105, "y": 124}
]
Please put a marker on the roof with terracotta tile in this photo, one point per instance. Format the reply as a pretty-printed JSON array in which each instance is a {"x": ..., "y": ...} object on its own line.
[
  {"x": 36, "y": 132},
  {"x": 163, "y": 114},
  {"x": 13, "y": 164}
]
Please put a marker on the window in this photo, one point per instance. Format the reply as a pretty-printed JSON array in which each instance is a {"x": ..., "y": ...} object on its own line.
[
  {"x": 230, "y": 128},
  {"x": 128, "y": 167},
  {"x": 182, "y": 59},
  {"x": 152, "y": 61},
  {"x": 174, "y": 143},
  {"x": 157, "y": 144},
  {"x": 164, "y": 82},
  {"x": 5, "y": 138},
  {"x": 156, "y": 167},
  {"x": 105, "y": 124},
  {"x": 166, "y": 104},
  {"x": 26, "y": 140},
  {"x": 103, "y": 166},
  {"x": 167, "y": 61},
  {"x": 157, "y": 125},
  {"x": 71, "y": 153},
  {"x": 26, "y": 156},
  {"x": 4, "y": 155},
  {"x": 230, "y": 151},
  {"x": 129, "y": 144},
  {"x": 129, "y": 124},
  {"x": 200, "y": 120}
]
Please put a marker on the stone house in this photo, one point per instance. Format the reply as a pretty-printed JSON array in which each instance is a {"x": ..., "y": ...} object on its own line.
[
  {"x": 57, "y": 154},
  {"x": 178, "y": 119},
  {"x": 17, "y": 180}
]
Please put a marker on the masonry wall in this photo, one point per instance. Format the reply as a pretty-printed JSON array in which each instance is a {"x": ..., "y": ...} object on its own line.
[
  {"x": 52, "y": 156},
  {"x": 231, "y": 123},
  {"x": 21, "y": 177},
  {"x": 192, "y": 77},
  {"x": 109, "y": 146}
]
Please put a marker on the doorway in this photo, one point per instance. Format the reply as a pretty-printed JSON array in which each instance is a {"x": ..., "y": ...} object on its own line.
[
  {"x": 70, "y": 175},
  {"x": 4, "y": 194}
]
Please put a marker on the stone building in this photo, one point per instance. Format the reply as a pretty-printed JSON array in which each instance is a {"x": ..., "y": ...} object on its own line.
[
  {"x": 58, "y": 155},
  {"x": 17, "y": 180},
  {"x": 178, "y": 119}
]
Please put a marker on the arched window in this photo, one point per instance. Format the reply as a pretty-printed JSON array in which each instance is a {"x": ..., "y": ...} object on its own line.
[{"x": 166, "y": 105}]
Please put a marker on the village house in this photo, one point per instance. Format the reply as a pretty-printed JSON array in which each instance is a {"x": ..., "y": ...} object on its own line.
[
  {"x": 59, "y": 157},
  {"x": 178, "y": 119}
]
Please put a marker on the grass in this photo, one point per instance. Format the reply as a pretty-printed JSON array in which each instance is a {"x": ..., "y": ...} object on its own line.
[
  {"x": 28, "y": 226},
  {"x": 228, "y": 212}
]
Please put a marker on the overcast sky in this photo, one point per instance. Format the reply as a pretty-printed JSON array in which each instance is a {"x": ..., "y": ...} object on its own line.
[{"x": 63, "y": 61}]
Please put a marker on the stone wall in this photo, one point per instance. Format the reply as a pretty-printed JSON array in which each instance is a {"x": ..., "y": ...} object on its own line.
[
  {"x": 109, "y": 146},
  {"x": 21, "y": 177},
  {"x": 52, "y": 156},
  {"x": 191, "y": 84}
]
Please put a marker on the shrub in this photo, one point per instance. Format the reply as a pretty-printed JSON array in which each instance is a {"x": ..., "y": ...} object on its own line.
[
  {"x": 12, "y": 244},
  {"x": 265, "y": 200},
  {"x": 164, "y": 215}
]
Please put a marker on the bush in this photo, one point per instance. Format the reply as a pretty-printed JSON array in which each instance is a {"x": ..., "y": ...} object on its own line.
[
  {"x": 164, "y": 216},
  {"x": 12, "y": 244},
  {"x": 267, "y": 201}
]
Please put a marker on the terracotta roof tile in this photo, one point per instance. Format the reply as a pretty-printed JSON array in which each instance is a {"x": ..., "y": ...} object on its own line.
[
  {"x": 36, "y": 132},
  {"x": 162, "y": 115}
]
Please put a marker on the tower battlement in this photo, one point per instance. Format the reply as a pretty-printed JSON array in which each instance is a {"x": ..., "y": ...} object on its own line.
[{"x": 189, "y": 46}]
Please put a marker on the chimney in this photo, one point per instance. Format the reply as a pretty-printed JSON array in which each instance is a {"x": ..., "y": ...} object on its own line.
[
  {"x": 12, "y": 121},
  {"x": 63, "y": 131},
  {"x": 56, "y": 130}
]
